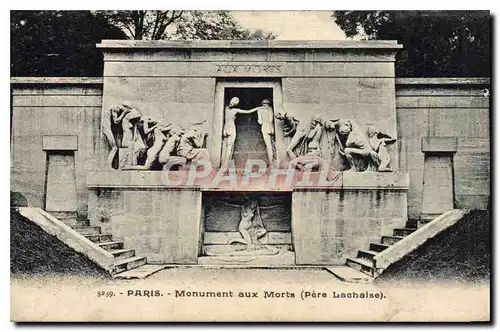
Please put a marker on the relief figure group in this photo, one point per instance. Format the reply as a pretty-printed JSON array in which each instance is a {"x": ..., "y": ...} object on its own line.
[{"x": 144, "y": 143}]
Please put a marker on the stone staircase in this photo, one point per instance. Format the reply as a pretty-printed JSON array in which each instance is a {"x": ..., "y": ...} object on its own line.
[
  {"x": 369, "y": 264},
  {"x": 124, "y": 259},
  {"x": 99, "y": 247},
  {"x": 364, "y": 259}
]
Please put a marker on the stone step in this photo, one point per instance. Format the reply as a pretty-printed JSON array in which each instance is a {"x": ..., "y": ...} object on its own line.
[
  {"x": 69, "y": 218},
  {"x": 348, "y": 274},
  {"x": 99, "y": 238},
  {"x": 361, "y": 264},
  {"x": 88, "y": 230},
  {"x": 140, "y": 272},
  {"x": 111, "y": 245},
  {"x": 211, "y": 248},
  {"x": 120, "y": 254},
  {"x": 403, "y": 231},
  {"x": 391, "y": 239},
  {"x": 423, "y": 222},
  {"x": 378, "y": 247},
  {"x": 412, "y": 223},
  {"x": 71, "y": 222},
  {"x": 367, "y": 254},
  {"x": 129, "y": 263},
  {"x": 283, "y": 258}
]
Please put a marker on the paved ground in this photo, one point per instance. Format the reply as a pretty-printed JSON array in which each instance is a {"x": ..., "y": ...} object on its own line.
[{"x": 231, "y": 276}]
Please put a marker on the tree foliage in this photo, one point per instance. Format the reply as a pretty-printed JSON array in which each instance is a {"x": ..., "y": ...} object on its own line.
[
  {"x": 214, "y": 25},
  {"x": 58, "y": 43},
  {"x": 63, "y": 43},
  {"x": 436, "y": 43},
  {"x": 142, "y": 24},
  {"x": 175, "y": 24}
]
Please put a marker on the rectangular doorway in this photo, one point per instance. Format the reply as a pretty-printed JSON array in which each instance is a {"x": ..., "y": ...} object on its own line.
[
  {"x": 60, "y": 192},
  {"x": 249, "y": 141},
  {"x": 223, "y": 241}
]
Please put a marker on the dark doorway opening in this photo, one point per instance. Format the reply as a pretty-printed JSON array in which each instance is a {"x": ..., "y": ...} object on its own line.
[{"x": 249, "y": 143}]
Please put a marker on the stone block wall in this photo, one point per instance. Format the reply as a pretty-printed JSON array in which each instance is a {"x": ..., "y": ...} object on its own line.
[
  {"x": 50, "y": 115},
  {"x": 453, "y": 108},
  {"x": 330, "y": 225},
  {"x": 163, "y": 225}
]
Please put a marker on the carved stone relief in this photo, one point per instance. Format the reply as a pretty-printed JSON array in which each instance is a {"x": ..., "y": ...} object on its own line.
[{"x": 143, "y": 143}]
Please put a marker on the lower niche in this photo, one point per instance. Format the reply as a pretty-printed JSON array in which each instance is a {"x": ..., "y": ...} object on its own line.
[{"x": 247, "y": 228}]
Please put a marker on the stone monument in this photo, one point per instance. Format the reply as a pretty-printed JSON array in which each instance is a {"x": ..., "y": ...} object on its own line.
[{"x": 302, "y": 136}]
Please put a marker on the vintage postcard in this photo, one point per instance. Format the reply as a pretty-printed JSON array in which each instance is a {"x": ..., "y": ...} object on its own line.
[{"x": 256, "y": 166}]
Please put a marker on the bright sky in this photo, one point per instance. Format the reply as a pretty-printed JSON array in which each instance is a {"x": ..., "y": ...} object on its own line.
[{"x": 292, "y": 25}]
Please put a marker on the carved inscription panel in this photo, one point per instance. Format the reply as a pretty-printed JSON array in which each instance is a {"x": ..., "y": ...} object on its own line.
[{"x": 249, "y": 69}]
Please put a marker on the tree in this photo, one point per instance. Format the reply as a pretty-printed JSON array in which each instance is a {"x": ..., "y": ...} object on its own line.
[
  {"x": 58, "y": 43},
  {"x": 142, "y": 24},
  {"x": 436, "y": 43},
  {"x": 214, "y": 25},
  {"x": 63, "y": 43},
  {"x": 172, "y": 24}
]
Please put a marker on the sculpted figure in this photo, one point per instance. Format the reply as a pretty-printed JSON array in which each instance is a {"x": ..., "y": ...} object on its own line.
[
  {"x": 111, "y": 117},
  {"x": 251, "y": 226},
  {"x": 229, "y": 130},
  {"x": 191, "y": 146},
  {"x": 129, "y": 126},
  {"x": 312, "y": 160},
  {"x": 289, "y": 124},
  {"x": 266, "y": 120},
  {"x": 160, "y": 132},
  {"x": 379, "y": 142},
  {"x": 353, "y": 143},
  {"x": 145, "y": 127},
  {"x": 170, "y": 146},
  {"x": 131, "y": 140},
  {"x": 304, "y": 136}
]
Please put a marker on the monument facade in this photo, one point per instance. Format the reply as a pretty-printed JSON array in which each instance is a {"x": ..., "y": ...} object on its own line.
[
  {"x": 246, "y": 152},
  {"x": 234, "y": 103}
]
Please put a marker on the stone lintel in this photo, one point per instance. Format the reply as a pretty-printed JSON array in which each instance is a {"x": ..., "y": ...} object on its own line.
[
  {"x": 249, "y": 44},
  {"x": 443, "y": 81},
  {"x": 364, "y": 180},
  {"x": 439, "y": 144},
  {"x": 375, "y": 180},
  {"x": 134, "y": 180},
  {"x": 155, "y": 180},
  {"x": 57, "y": 80},
  {"x": 60, "y": 142}
]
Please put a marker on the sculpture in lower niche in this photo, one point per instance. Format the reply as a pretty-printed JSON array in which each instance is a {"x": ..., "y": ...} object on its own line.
[{"x": 251, "y": 228}]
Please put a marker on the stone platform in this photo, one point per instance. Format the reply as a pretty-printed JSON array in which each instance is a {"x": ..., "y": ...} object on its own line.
[{"x": 329, "y": 222}]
